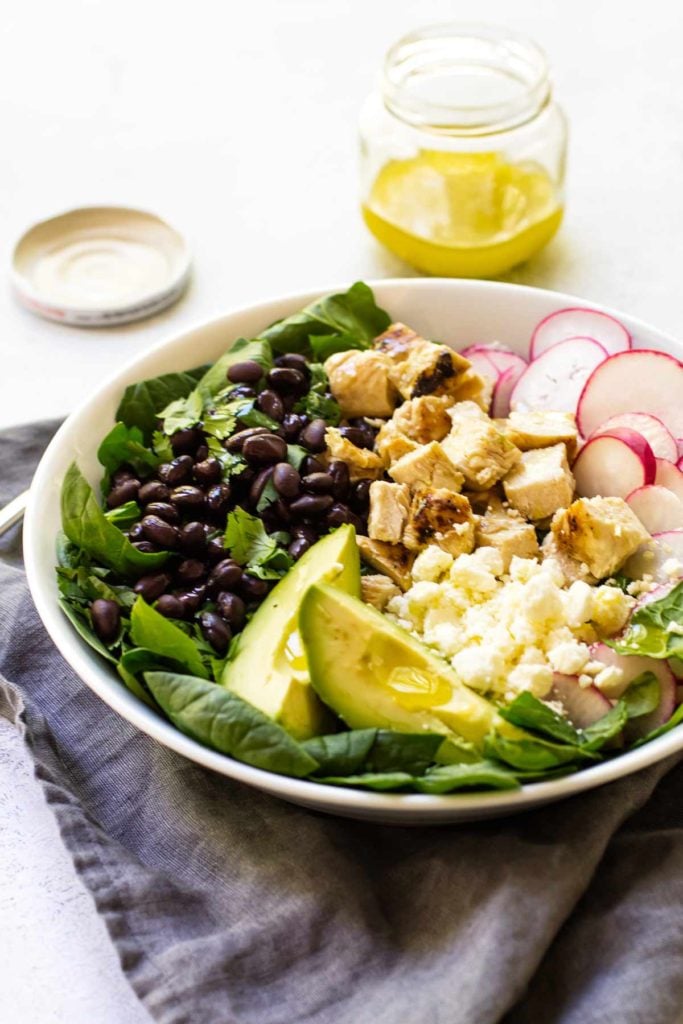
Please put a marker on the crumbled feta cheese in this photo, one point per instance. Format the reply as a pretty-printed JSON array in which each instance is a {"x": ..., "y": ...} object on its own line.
[
  {"x": 611, "y": 608},
  {"x": 537, "y": 679},
  {"x": 672, "y": 568},
  {"x": 569, "y": 658},
  {"x": 609, "y": 678},
  {"x": 578, "y": 603},
  {"x": 431, "y": 564}
]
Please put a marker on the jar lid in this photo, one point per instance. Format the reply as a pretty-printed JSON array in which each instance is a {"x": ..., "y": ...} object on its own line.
[{"x": 100, "y": 266}]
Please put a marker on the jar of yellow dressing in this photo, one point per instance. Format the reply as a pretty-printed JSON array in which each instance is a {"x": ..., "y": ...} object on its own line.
[{"x": 463, "y": 151}]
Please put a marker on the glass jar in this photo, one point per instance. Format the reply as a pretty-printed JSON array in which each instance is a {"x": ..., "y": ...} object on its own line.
[{"x": 463, "y": 151}]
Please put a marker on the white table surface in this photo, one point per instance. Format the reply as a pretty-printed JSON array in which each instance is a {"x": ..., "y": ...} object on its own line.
[{"x": 237, "y": 123}]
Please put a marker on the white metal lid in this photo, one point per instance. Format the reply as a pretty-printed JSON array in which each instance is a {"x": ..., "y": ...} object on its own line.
[{"x": 99, "y": 266}]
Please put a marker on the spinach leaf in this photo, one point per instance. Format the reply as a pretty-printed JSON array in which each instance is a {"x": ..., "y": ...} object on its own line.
[
  {"x": 403, "y": 752},
  {"x": 675, "y": 720},
  {"x": 380, "y": 781},
  {"x": 296, "y": 455},
  {"x": 318, "y": 403},
  {"x": 86, "y": 526},
  {"x": 126, "y": 444},
  {"x": 325, "y": 345},
  {"x": 642, "y": 695},
  {"x": 481, "y": 775},
  {"x": 149, "y": 629},
  {"x": 342, "y": 753},
  {"x": 79, "y": 620},
  {"x": 533, "y": 754},
  {"x": 141, "y": 402},
  {"x": 135, "y": 686},
  {"x": 250, "y": 545},
  {"x": 353, "y": 316},
  {"x": 655, "y": 630},
  {"x": 223, "y": 721},
  {"x": 528, "y": 712},
  {"x": 125, "y": 515}
]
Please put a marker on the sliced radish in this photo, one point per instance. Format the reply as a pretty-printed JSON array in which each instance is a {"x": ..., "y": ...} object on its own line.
[
  {"x": 501, "y": 357},
  {"x": 657, "y": 508},
  {"x": 574, "y": 323},
  {"x": 639, "y": 381},
  {"x": 679, "y": 464},
  {"x": 556, "y": 379},
  {"x": 484, "y": 366},
  {"x": 651, "y": 427},
  {"x": 583, "y": 704},
  {"x": 632, "y": 665},
  {"x": 502, "y": 391},
  {"x": 669, "y": 476},
  {"x": 651, "y": 557},
  {"x": 608, "y": 465}
]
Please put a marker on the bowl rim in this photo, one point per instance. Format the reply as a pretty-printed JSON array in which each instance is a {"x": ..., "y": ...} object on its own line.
[{"x": 341, "y": 800}]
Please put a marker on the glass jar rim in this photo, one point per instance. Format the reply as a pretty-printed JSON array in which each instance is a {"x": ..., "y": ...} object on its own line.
[{"x": 488, "y": 79}]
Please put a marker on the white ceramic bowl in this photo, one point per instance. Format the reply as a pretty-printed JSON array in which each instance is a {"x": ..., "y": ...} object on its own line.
[{"x": 457, "y": 312}]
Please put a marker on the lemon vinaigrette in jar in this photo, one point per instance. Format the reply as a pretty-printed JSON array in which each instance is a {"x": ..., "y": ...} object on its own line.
[{"x": 463, "y": 152}]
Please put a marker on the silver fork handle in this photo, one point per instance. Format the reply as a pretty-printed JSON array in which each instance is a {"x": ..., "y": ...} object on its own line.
[{"x": 12, "y": 513}]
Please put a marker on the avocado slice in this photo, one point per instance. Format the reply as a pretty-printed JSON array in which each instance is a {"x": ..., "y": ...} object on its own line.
[
  {"x": 268, "y": 667},
  {"x": 375, "y": 674}
]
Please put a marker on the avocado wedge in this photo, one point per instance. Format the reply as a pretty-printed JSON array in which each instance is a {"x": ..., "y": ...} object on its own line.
[
  {"x": 268, "y": 667},
  {"x": 373, "y": 673}
]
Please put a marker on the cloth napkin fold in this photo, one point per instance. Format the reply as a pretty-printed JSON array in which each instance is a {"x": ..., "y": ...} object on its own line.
[{"x": 229, "y": 907}]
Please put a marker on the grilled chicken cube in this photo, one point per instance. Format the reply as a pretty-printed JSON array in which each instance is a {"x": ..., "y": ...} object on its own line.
[
  {"x": 469, "y": 386},
  {"x": 392, "y": 560},
  {"x": 428, "y": 464},
  {"x": 570, "y": 567},
  {"x": 540, "y": 483},
  {"x": 542, "y": 429},
  {"x": 481, "y": 453},
  {"x": 438, "y": 516},
  {"x": 601, "y": 532},
  {"x": 360, "y": 383},
  {"x": 505, "y": 530},
  {"x": 389, "y": 505},
  {"x": 466, "y": 410},
  {"x": 421, "y": 367},
  {"x": 424, "y": 419},
  {"x": 391, "y": 443},
  {"x": 378, "y": 590},
  {"x": 362, "y": 463}
]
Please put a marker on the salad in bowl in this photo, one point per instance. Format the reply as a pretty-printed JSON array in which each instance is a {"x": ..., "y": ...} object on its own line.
[{"x": 348, "y": 553}]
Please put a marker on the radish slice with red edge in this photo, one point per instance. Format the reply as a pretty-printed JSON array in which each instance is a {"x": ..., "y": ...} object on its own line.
[
  {"x": 556, "y": 379},
  {"x": 502, "y": 391},
  {"x": 639, "y": 381},
  {"x": 502, "y": 358},
  {"x": 679, "y": 464},
  {"x": 584, "y": 704},
  {"x": 481, "y": 363},
  {"x": 614, "y": 465},
  {"x": 652, "y": 429},
  {"x": 585, "y": 323},
  {"x": 668, "y": 475},
  {"x": 657, "y": 508},
  {"x": 651, "y": 557},
  {"x": 633, "y": 665}
]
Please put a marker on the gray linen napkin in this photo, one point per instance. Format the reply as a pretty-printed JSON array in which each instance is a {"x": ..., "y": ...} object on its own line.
[{"x": 229, "y": 907}]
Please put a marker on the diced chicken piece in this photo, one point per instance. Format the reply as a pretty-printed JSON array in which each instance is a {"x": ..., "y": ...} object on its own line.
[
  {"x": 389, "y": 505},
  {"x": 481, "y": 501},
  {"x": 438, "y": 516},
  {"x": 397, "y": 342},
  {"x": 378, "y": 590},
  {"x": 469, "y": 386},
  {"x": 391, "y": 443},
  {"x": 602, "y": 532},
  {"x": 360, "y": 383},
  {"x": 542, "y": 429},
  {"x": 424, "y": 419},
  {"x": 362, "y": 463},
  {"x": 540, "y": 483},
  {"x": 571, "y": 568},
  {"x": 420, "y": 367},
  {"x": 509, "y": 533},
  {"x": 481, "y": 453},
  {"x": 392, "y": 560},
  {"x": 467, "y": 410},
  {"x": 429, "y": 464}
]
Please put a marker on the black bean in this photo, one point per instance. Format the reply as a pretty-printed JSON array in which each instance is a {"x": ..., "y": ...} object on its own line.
[
  {"x": 292, "y": 424},
  {"x": 191, "y": 570},
  {"x": 303, "y": 532},
  {"x": 339, "y": 514},
  {"x": 218, "y": 499},
  {"x": 258, "y": 484},
  {"x": 215, "y": 550},
  {"x": 318, "y": 483},
  {"x": 266, "y": 448},
  {"x": 122, "y": 474},
  {"x": 286, "y": 480},
  {"x": 252, "y": 587},
  {"x": 312, "y": 465},
  {"x": 209, "y": 471},
  {"x": 339, "y": 472},
  {"x": 185, "y": 442},
  {"x": 226, "y": 575},
  {"x": 247, "y": 372},
  {"x": 145, "y": 547},
  {"x": 201, "y": 453},
  {"x": 287, "y": 381},
  {"x": 165, "y": 511},
  {"x": 216, "y": 631},
  {"x": 191, "y": 599},
  {"x": 313, "y": 436},
  {"x": 160, "y": 532},
  {"x": 270, "y": 403},
  {"x": 193, "y": 538},
  {"x": 243, "y": 391},
  {"x": 311, "y": 504},
  {"x": 360, "y": 495},
  {"x": 153, "y": 490},
  {"x": 188, "y": 498},
  {"x": 235, "y": 443},
  {"x": 358, "y": 436},
  {"x": 135, "y": 532},
  {"x": 281, "y": 512},
  {"x": 232, "y": 609},
  {"x": 152, "y": 586},
  {"x": 295, "y": 361},
  {"x": 176, "y": 472},
  {"x": 299, "y": 547},
  {"x": 170, "y": 606},
  {"x": 106, "y": 618},
  {"x": 127, "y": 490}
]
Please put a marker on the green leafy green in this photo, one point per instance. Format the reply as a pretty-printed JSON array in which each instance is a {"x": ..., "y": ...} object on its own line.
[
  {"x": 642, "y": 695},
  {"x": 655, "y": 629},
  {"x": 250, "y": 545},
  {"x": 141, "y": 402},
  {"x": 675, "y": 720},
  {"x": 379, "y": 781},
  {"x": 223, "y": 721},
  {"x": 296, "y": 455},
  {"x": 232, "y": 463},
  {"x": 215, "y": 378},
  {"x": 402, "y": 751},
  {"x": 325, "y": 345},
  {"x": 126, "y": 444},
  {"x": 318, "y": 403},
  {"x": 352, "y": 316},
  {"x": 479, "y": 775},
  {"x": 86, "y": 526},
  {"x": 125, "y": 515},
  {"x": 532, "y": 754},
  {"x": 528, "y": 712},
  {"x": 156, "y": 633},
  {"x": 342, "y": 753},
  {"x": 81, "y": 623},
  {"x": 182, "y": 413},
  {"x": 607, "y": 728}
]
